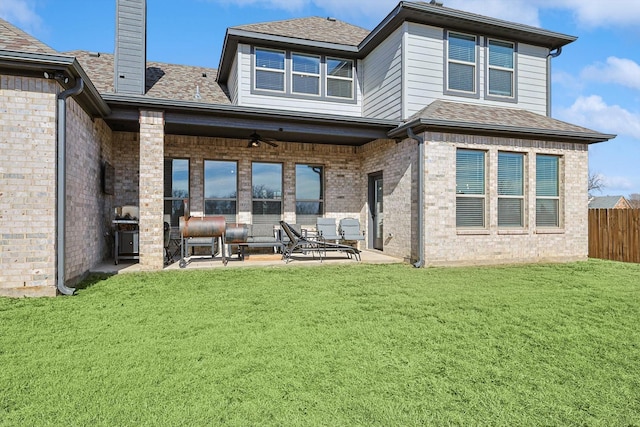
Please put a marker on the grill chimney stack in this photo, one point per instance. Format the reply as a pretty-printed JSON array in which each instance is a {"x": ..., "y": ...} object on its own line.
[{"x": 130, "y": 63}]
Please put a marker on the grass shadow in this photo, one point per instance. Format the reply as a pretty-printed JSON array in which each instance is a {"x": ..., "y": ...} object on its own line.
[{"x": 92, "y": 280}]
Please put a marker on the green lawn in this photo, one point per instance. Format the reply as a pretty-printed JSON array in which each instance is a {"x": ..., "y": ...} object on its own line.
[{"x": 365, "y": 345}]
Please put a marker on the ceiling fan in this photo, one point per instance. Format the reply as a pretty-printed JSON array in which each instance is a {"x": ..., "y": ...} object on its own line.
[{"x": 255, "y": 140}]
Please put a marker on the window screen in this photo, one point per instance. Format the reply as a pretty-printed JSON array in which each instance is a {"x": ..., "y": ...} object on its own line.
[
  {"x": 510, "y": 190},
  {"x": 470, "y": 188},
  {"x": 547, "y": 191},
  {"x": 501, "y": 68},
  {"x": 305, "y": 74},
  {"x": 339, "y": 78},
  {"x": 461, "y": 63},
  {"x": 269, "y": 69}
]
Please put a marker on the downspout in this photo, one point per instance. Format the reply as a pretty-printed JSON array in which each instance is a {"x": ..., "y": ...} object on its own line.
[
  {"x": 552, "y": 54},
  {"x": 61, "y": 188},
  {"x": 420, "y": 262}
]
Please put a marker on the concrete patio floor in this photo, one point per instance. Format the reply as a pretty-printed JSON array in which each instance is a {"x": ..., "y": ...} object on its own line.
[{"x": 257, "y": 260}]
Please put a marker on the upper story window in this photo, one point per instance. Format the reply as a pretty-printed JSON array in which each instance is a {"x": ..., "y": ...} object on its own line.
[
  {"x": 501, "y": 68},
  {"x": 461, "y": 63},
  {"x": 305, "y": 74},
  {"x": 339, "y": 78},
  {"x": 270, "y": 70},
  {"x": 470, "y": 188},
  {"x": 176, "y": 188},
  {"x": 302, "y": 75}
]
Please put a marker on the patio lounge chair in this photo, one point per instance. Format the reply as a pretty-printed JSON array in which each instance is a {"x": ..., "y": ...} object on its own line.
[
  {"x": 327, "y": 230},
  {"x": 350, "y": 229},
  {"x": 298, "y": 243}
]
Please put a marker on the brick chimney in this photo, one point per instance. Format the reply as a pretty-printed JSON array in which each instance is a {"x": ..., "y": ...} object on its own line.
[{"x": 130, "y": 62}]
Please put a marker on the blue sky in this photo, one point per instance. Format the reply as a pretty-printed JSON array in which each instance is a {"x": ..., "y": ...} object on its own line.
[{"x": 596, "y": 80}]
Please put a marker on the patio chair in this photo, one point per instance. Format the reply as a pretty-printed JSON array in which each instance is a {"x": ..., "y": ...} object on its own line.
[
  {"x": 350, "y": 229},
  {"x": 298, "y": 243},
  {"x": 326, "y": 228},
  {"x": 294, "y": 241}
]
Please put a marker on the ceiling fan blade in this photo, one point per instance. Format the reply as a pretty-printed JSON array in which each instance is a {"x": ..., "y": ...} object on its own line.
[{"x": 273, "y": 144}]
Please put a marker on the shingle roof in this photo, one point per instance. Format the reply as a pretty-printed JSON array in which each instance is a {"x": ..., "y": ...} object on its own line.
[
  {"x": 314, "y": 28},
  {"x": 16, "y": 40},
  {"x": 470, "y": 114},
  {"x": 606, "y": 202},
  {"x": 164, "y": 81}
]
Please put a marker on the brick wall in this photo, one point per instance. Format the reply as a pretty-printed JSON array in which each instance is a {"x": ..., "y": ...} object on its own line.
[
  {"x": 342, "y": 176},
  {"x": 398, "y": 164},
  {"x": 126, "y": 163},
  {"x": 447, "y": 245},
  {"x": 88, "y": 215},
  {"x": 346, "y": 196},
  {"x": 27, "y": 186},
  {"x": 346, "y": 176},
  {"x": 151, "y": 190}
]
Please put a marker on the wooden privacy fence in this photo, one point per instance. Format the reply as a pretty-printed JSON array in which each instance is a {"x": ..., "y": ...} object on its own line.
[{"x": 614, "y": 234}]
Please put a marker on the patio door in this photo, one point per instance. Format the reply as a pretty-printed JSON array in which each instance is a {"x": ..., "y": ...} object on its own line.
[{"x": 376, "y": 213}]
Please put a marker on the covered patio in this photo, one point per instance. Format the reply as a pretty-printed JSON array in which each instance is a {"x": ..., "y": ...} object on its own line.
[{"x": 256, "y": 260}]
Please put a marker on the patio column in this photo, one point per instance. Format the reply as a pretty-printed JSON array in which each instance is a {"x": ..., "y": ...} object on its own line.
[{"x": 151, "y": 244}]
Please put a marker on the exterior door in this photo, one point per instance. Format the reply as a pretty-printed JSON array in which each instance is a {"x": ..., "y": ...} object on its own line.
[{"x": 376, "y": 212}]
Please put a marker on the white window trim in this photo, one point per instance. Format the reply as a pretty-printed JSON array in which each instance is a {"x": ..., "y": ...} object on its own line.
[
  {"x": 523, "y": 215},
  {"x": 349, "y": 79},
  {"x": 269, "y": 70},
  {"x": 299, "y": 73},
  {"x": 559, "y": 197},
  {"x": 495, "y": 67},
  {"x": 475, "y": 91},
  {"x": 483, "y": 196}
]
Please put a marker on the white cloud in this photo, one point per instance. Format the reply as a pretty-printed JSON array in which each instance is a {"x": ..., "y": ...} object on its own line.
[
  {"x": 592, "y": 13},
  {"x": 21, "y": 13},
  {"x": 617, "y": 182},
  {"x": 567, "y": 80},
  {"x": 592, "y": 112},
  {"x": 521, "y": 11},
  {"x": 288, "y": 5},
  {"x": 625, "y": 72},
  {"x": 598, "y": 13}
]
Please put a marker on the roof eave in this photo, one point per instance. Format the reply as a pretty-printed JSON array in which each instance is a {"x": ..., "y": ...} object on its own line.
[
  {"x": 235, "y": 36},
  {"x": 231, "y": 121},
  {"x": 422, "y": 124},
  {"x": 168, "y": 104},
  {"x": 37, "y": 62},
  {"x": 428, "y": 14}
]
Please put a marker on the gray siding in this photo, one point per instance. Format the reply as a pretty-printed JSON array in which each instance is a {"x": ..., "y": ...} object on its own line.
[
  {"x": 425, "y": 67},
  {"x": 248, "y": 99},
  {"x": 130, "y": 47},
  {"x": 424, "y": 73},
  {"x": 532, "y": 78},
  {"x": 232, "y": 82},
  {"x": 383, "y": 79}
]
